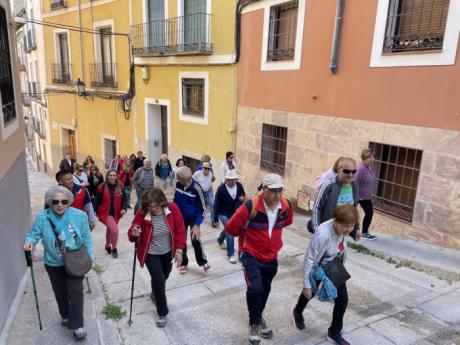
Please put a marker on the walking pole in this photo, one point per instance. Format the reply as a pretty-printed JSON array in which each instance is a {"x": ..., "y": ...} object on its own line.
[
  {"x": 130, "y": 321},
  {"x": 28, "y": 254}
]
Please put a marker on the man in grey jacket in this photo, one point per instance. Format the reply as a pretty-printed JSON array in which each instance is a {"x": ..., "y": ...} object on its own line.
[
  {"x": 142, "y": 179},
  {"x": 341, "y": 191}
]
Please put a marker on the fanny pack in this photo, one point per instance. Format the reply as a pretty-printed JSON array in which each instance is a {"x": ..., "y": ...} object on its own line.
[{"x": 76, "y": 262}]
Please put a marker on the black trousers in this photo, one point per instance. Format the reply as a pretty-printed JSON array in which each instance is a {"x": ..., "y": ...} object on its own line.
[
  {"x": 259, "y": 276},
  {"x": 159, "y": 267},
  {"x": 198, "y": 248},
  {"x": 68, "y": 292},
  {"x": 368, "y": 213},
  {"x": 340, "y": 307}
]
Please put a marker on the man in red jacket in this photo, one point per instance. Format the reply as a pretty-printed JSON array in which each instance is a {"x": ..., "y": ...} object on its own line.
[{"x": 260, "y": 222}]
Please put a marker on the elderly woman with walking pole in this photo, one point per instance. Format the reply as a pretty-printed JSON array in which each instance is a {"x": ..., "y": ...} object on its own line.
[
  {"x": 63, "y": 230},
  {"x": 159, "y": 232}
]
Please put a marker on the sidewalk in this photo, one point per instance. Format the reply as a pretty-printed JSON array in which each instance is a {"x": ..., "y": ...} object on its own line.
[{"x": 388, "y": 303}]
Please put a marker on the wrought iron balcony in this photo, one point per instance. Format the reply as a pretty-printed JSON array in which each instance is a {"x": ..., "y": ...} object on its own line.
[
  {"x": 56, "y": 4},
  {"x": 103, "y": 75},
  {"x": 25, "y": 98},
  {"x": 186, "y": 35},
  {"x": 413, "y": 42},
  {"x": 61, "y": 73},
  {"x": 35, "y": 90}
]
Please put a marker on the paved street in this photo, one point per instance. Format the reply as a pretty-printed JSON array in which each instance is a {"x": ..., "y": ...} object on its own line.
[{"x": 389, "y": 303}]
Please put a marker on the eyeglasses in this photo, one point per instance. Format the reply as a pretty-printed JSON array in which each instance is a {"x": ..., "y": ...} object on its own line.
[
  {"x": 348, "y": 171},
  {"x": 276, "y": 190},
  {"x": 63, "y": 202},
  {"x": 205, "y": 168}
]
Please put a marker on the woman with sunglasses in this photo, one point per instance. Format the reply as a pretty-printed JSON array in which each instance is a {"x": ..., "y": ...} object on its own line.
[
  {"x": 126, "y": 179},
  {"x": 110, "y": 205},
  {"x": 79, "y": 176},
  {"x": 95, "y": 178},
  {"x": 160, "y": 230},
  {"x": 71, "y": 227}
]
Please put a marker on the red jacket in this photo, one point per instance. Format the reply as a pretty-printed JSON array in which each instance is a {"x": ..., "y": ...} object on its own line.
[
  {"x": 79, "y": 199},
  {"x": 254, "y": 237},
  {"x": 122, "y": 177},
  {"x": 104, "y": 205},
  {"x": 175, "y": 224}
]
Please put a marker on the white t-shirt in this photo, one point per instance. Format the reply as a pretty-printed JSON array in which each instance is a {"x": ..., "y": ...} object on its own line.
[
  {"x": 223, "y": 170},
  {"x": 232, "y": 191},
  {"x": 80, "y": 180},
  {"x": 204, "y": 181},
  {"x": 271, "y": 217}
]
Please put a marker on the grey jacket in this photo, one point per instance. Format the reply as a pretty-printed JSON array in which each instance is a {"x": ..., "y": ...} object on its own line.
[{"x": 326, "y": 201}]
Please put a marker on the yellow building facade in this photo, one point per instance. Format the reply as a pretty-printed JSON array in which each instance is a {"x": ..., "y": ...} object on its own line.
[
  {"x": 87, "y": 43},
  {"x": 185, "y": 75}
]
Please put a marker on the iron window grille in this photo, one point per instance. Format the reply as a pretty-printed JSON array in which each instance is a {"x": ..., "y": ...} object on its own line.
[
  {"x": 103, "y": 75},
  {"x": 56, "y": 4},
  {"x": 193, "y": 96},
  {"x": 273, "y": 151},
  {"x": 7, "y": 99},
  {"x": 192, "y": 163},
  {"x": 414, "y": 25},
  {"x": 61, "y": 73},
  {"x": 282, "y": 31},
  {"x": 397, "y": 171}
]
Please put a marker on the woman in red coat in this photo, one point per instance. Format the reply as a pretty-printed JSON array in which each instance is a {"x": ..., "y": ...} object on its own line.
[
  {"x": 110, "y": 205},
  {"x": 126, "y": 176},
  {"x": 161, "y": 231}
]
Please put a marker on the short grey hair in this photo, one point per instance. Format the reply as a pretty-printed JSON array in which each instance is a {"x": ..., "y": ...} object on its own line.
[
  {"x": 184, "y": 173},
  {"x": 343, "y": 160},
  {"x": 147, "y": 161},
  {"x": 50, "y": 193}
]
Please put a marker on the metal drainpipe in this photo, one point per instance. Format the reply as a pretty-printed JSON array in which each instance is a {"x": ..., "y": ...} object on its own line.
[
  {"x": 82, "y": 75},
  {"x": 336, "y": 37}
]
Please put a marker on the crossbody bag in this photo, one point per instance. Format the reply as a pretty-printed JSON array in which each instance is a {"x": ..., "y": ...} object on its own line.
[{"x": 335, "y": 270}]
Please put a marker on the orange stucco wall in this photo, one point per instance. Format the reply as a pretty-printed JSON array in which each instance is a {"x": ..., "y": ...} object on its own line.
[{"x": 419, "y": 96}]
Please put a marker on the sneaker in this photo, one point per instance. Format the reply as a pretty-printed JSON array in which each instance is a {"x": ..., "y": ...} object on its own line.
[
  {"x": 206, "y": 267},
  {"x": 254, "y": 335},
  {"x": 161, "y": 322},
  {"x": 368, "y": 237},
  {"x": 79, "y": 333},
  {"x": 298, "y": 321},
  {"x": 231, "y": 259},
  {"x": 336, "y": 338},
  {"x": 222, "y": 245},
  {"x": 108, "y": 250},
  {"x": 64, "y": 322},
  {"x": 152, "y": 297},
  {"x": 265, "y": 330},
  {"x": 115, "y": 253},
  {"x": 183, "y": 269}
]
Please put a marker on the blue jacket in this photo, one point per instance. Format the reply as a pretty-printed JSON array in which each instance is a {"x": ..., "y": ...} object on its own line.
[
  {"x": 328, "y": 291},
  {"x": 42, "y": 230},
  {"x": 191, "y": 202}
]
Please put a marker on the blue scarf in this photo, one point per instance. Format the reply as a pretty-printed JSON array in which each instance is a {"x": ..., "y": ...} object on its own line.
[{"x": 64, "y": 229}]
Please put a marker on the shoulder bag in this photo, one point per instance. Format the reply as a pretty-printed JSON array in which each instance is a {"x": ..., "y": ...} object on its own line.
[{"x": 335, "y": 270}]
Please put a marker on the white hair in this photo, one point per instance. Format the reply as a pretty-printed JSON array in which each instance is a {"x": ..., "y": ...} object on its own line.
[
  {"x": 147, "y": 161},
  {"x": 184, "y": 173},
  {"x": 50, "y": 193}
]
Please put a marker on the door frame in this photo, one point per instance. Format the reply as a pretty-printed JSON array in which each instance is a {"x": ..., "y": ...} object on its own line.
[
  {"x": 67, "y": 128},
  {"x": 159, "y": 102}
]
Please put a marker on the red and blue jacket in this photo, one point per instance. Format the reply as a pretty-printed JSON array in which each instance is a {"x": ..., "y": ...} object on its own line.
[{"x": 253, "y": 230}]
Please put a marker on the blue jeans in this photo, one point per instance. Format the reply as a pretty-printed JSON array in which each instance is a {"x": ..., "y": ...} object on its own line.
[
  {"x": 209, "y": 200},
  {"x": 139, "y": 199},
  {"x": 225, "y": 236},
  {"x": 127, "y": 192}
]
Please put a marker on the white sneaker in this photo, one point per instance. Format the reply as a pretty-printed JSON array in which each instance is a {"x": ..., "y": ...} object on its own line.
[{"x": 231, "y": 259}]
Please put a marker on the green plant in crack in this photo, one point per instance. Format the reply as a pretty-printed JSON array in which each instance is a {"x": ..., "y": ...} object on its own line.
[
  {"x": 114, "y": 312},
  {"x": 98, "y": 269}
]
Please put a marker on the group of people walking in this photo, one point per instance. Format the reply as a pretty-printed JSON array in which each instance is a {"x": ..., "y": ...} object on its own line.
[{"x": 160, "y": 229}]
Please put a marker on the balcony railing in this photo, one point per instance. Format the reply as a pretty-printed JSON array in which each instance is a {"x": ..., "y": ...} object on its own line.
[
  {"x": 186, "y": 35},
  {"x": 35, "y": 90},
  {"x": 25, "y": 98},
  {"x": 56, "y": 4},
  {"x": 61, "y": 73},
  {"x": 103, "y": 75}
]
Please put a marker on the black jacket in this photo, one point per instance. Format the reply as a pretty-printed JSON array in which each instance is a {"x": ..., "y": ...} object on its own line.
[{"x": 64, "y": 165}]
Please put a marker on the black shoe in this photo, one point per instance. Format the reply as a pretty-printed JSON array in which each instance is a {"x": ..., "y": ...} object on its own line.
[
  {"x": 254, "y": 335},
  {"x": 265, "y": 331},
  {"x": 64, "y": 322},
  {"x": 368, "y": 237},
  {"x": 108, "y": 250},
  {"x": 298, "y": 321},
  {"x": 115, "y": 253}
]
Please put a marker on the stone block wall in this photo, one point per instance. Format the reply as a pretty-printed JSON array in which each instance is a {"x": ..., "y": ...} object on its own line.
[{"x": 315, "y": 142}]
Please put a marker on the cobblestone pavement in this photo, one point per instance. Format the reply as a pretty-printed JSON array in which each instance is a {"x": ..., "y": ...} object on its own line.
[{"x": 389, "y": 301}]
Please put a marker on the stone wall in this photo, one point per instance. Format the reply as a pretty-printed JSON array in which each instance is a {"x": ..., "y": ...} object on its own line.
[{"x": 315, "y": 142}]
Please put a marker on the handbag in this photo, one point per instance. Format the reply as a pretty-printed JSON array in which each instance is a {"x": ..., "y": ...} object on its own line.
[
  {"x": 335, "y": 270},
  {"x": 76, "y": 262}
]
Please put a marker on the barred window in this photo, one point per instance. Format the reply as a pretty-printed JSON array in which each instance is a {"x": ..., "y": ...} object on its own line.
[
  {"x": 397, "y": 171},
  {"x": 414, "y": 25},
  {"x": 192, "y": 163},
  {"x": 273, "y": 151},
  {"x": 193, "y": 96},
  {"x": 7, "y": 101},
  {"x": 282, "y": 31}
]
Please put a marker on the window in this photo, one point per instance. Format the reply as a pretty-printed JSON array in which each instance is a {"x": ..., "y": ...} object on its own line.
[
  {"x": 414, "y": 25},
  {"x": 103, "y": 74},
  {"x": 7, "y": 100},
  {"x": 110, "y": 151},
  {"x": 397, "y": 171},
  {"x": 192, "y": 163},
  {"x": 193, "y": 96},
  {"x": 282, "y": 31},
  {"x": 61, "y": 70},
  {"x": 273, "y": 151}
]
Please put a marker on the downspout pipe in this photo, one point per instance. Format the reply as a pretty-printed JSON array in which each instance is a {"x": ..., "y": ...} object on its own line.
[
  {"x": 337, "y": 33},
  {"x": 239, "y": 9}
]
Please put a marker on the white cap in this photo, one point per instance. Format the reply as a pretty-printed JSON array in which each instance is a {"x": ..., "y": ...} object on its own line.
[
  {"x": 273, "y": 181},
  {"x": 231, "y": 175},
  {"x": 206, "y": 165}
]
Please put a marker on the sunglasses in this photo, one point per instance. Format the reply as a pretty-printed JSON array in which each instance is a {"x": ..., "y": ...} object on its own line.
[
  {"x": 348, "y": 171},
  {"x": 205, "y": 168},
  {"x": 63, "y": 202}
]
